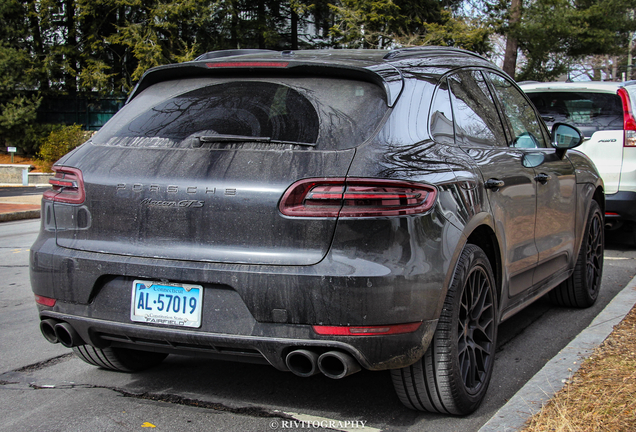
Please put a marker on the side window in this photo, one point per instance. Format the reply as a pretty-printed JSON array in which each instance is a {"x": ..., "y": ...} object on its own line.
[
  {"x": 476, "y": 118},
  {"x": 521, "y": 118},
  {"x": 441, "y": 121}
]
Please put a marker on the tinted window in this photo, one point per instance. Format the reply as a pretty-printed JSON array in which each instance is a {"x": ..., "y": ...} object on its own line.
[
  {"x": 441, "y": 123},
  {"x": 332, "y": 113},
  {"x": 249, "y": 109},
  {"x": 580, "y": 108},
  {"x": 520, "y": 117},
  {"x": 476, "y": 118}
]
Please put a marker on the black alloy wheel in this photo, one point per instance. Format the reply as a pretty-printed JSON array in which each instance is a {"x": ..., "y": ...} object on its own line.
[
  {"x": 594, "y": 253},
  {"x": 453, "y": 375},
  {"x": 581, "y": 289},
  {"x": 476, "y": 330}
]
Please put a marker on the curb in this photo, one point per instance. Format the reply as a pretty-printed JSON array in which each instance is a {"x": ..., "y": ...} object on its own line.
[
  {"x": 19, "y": 215},
  {"x": 550, "y": 379}
]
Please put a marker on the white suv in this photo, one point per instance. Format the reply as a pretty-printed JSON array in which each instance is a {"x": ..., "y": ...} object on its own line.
[{"x": 603, "y": 111}]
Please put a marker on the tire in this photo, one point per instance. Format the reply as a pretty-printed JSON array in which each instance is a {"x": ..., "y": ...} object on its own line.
[
  {"x": 453, "y": 375},
  {"x": 119, "y": 359},
  {"x": 581, "y": 289}
]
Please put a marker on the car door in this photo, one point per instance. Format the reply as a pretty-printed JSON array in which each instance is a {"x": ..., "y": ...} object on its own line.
[
  {"x": 554, "y": 176},
  {"x": 510, "y": 185}
]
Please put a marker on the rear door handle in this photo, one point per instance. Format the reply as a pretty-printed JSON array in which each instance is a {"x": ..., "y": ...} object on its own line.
[
  {"x": 494, "y": 184},
  {"x": 542, "y": 178}
]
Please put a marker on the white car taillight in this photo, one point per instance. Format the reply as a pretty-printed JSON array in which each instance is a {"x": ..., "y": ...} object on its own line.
[{"x": 629, "y": 123}]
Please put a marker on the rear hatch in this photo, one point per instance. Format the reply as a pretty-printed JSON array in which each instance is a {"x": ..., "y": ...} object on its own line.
[
  {"x": 599, "y": 116},
  {"x": 194, "y": 169}
]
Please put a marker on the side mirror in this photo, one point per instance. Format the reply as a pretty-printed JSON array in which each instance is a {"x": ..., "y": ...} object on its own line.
[{"x": 565, "y": 137}]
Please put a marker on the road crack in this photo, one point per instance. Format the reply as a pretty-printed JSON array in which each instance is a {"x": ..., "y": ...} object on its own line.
[
  {"x": 169, "y": 398},
  {"x": 180, "y": 400},
  {"x": 45, "y": 363}
]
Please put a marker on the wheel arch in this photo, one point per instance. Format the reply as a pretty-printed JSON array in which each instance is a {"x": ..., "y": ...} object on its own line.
[
  {"x": 587, "y": 193},
  {"x": 484, "y": 237},
  {"x": 599, "y": 197},
  {"x": 480, "y": 231}
]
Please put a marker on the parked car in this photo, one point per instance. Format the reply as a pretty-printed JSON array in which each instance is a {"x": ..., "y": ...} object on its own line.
[
  {"x": 603, "y": 112},
  {"x": 320, "y": 211}
]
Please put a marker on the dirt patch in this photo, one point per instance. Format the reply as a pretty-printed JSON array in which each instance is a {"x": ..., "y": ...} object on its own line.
[
  {"x": 601, "y": 396},
  {"x": 22, "y": 160}
]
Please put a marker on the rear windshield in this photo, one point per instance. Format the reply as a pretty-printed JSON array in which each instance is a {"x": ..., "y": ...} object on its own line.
[
  {"x": 600, "y": 111},
  {"x": 211, "y": 112}
]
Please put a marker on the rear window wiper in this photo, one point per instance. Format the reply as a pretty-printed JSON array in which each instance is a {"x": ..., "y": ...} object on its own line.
[{"x": 242, "y": 138}]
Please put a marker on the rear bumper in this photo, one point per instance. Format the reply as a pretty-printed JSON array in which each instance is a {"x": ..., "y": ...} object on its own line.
[
  {"x": 264, "y": 311},
  {"x": 268, "y": 343},
  {"x": 620, "y": 206}
]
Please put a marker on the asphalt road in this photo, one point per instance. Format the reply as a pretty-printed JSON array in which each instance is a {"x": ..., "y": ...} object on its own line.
[
  {"x": 13, "y": 191},
  {"x": 43, "y": 387}
]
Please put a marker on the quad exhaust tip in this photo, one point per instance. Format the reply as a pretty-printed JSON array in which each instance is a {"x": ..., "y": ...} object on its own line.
[
  {"x": 337, "y": 365},
  {"x": 67, "y": 335},
  {"x": 47, "y": 327},
  {"x": 303, "y": 363},
  {"x": 55, "y": 331},
  {"x": 332, "y": 364}
]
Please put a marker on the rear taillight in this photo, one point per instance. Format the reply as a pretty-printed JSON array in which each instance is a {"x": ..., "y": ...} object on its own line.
[
  {"x": 629, "y": 123},
  {"x": 367, "y": 330},
  {"x": 357, "y": 197},
  {"x": 67, "y": 186}
]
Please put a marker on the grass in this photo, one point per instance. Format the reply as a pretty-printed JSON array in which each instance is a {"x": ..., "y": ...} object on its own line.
[{"x": 601, "y": 396}]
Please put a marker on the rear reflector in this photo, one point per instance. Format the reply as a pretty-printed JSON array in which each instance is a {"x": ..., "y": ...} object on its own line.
[
  {"x": 367, "y": 330},
  {"x": 356, "y": 197},
  {"x": 611, "y": 214},
  {"x": 629, "y": 123},
  {"x": 247, "y": 64},
  {"x": 68, "y": 186},
  {"x": 45, "y": 301}
]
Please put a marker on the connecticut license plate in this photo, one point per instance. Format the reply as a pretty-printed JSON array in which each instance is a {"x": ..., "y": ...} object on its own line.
[{"x": 166, "y": 303}]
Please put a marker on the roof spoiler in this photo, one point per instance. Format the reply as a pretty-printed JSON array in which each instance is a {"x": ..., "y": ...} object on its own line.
[{"x": 384, "y": 75}]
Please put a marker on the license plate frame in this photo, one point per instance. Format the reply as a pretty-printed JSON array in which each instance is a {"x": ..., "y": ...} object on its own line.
[{"x": 150, "y": 301}]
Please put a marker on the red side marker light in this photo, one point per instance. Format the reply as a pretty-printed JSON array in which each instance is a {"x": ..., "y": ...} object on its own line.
[
  {"x": 367, "y": 330},
  {"x": 45, "y": 301}
]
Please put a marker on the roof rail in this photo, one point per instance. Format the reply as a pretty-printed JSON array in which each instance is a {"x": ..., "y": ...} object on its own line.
[
  {"x": 231, "y": 52},
  {"x": 418, "y": 50}
]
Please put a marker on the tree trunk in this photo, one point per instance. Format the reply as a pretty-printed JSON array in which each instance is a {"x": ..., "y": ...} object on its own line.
[
  {"x": 510, "y": 57},
  {"x": 261, "y": 23},
  {"x": 70, "y": 76},
  {"x": 38, "y": 46},
  {"x": 294, "y": 30}
]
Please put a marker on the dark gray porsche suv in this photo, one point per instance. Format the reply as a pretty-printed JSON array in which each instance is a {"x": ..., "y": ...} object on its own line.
[{"x": 321, "y": 211}]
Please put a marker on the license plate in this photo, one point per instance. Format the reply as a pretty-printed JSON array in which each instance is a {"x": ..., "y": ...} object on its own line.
[{"x": 166, "y": 303}]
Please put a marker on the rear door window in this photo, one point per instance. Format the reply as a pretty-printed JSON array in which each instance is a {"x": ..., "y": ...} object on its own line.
[
  {"x": 475, "y": 115},
  {"x": 318, "y": 112}
]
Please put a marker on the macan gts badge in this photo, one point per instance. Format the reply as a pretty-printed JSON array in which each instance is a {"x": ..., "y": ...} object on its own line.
[{"x": 322, "y": 212}]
